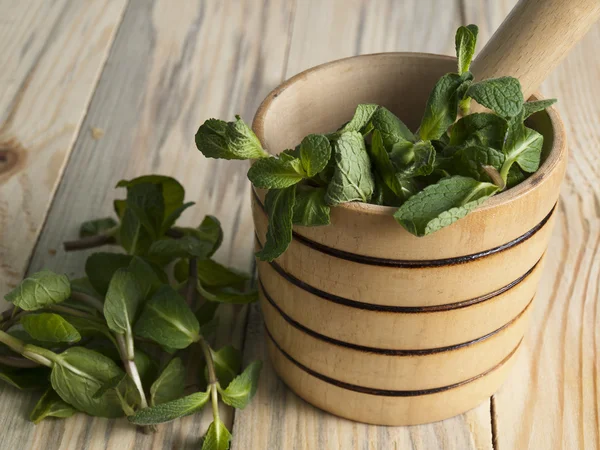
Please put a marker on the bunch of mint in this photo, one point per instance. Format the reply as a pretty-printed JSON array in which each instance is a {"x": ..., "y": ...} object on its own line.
[
  {"x": 434, "y": 176},
  {"x": 93, "y": 343}
]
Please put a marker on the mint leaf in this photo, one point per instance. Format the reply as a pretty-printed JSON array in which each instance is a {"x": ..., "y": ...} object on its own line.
[
  {"x": 51, "y": 405},
  {"x": 442, "y": 106},
  {"x": 97, "y": 226},
  {"x": 170, "y": 219},
  {"x": 168, "y": 320},
  {"x": 100, "y": 268},
  {"x": 213, "y": 274},
  {"x": 360, "y": 120},
  {"x": 530, "y": 108},
  {"x": 392, "y": 129},
  {"x": 186, "y": 246},
  {"x": 421, "y": 159},
  {"x": 146, "y": 201},
  {"x": 384, "y": 166},
  {"x": 465, "y": 41},
  {"x": 315, "y": 152},
  {"x": 134, "y": 238},
  {"x": 217, "y": 436},
  {"x": 122, "y": 300},
  {"x": 50, "y": 327},
  {"x": 310, "y": 209},
  {"x": 148, "y": 276},
  {"x": 275, "y": 173},
  {"x": 522, "y": 146},
  {"x": 39, "y": 290},
  {"x": 78, "y": 374},
  {"x": 172, "y": 410},
  {"x": 228, "y": 364},
  {"x": 88, "y": 327},
  {"x": 279, "y": 204},
  {"x": 173, "y": 192},
  {"x": 515, "y": 176},
  {"x": 469, "y": 161},
  {"x": 352, "y": 179},
  {"x": 210, "y": 230},
  {"x": 228, "y": 140},
  {"x": 84, "y": 286},
  {"x": 442, "y": 204},
  {"x": 228, "y": 295},
  {"x": 501, "y": 95},
  {"x": 170, "y": 384},
  {"x": 243, "y": 387},
  {"x": 483, "y": 129}
]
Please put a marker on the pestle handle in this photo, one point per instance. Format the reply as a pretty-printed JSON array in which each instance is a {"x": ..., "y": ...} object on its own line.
[{"x": 533, "y": 39}]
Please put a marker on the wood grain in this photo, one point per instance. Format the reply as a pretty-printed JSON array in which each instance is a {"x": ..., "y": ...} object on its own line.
[
  {"x": 170, "y": 69},
  {"x": 277, "y": 418},
  {"x": 551, "y": 399},
  {"x": 51, "y": 54}
]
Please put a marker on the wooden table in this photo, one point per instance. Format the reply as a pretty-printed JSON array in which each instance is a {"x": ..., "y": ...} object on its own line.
[{"x": 92, "y": 91}]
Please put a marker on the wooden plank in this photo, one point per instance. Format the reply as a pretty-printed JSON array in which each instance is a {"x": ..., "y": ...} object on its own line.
[
  {"x": 551, "y": 397},
  {"x": 170, "y": 69},
  {"x": 51, "y": 54},
  {"x": 277, "y": 418}
]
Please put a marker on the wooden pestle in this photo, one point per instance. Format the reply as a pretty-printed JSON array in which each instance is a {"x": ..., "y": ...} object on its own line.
[{"x": 533, "y": 40}]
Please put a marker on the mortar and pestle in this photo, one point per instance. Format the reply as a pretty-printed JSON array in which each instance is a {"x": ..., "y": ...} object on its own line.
[{"x": 371, "y": 323}]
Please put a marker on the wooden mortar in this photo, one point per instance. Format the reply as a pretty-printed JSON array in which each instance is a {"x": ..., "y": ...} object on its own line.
[{"x": 371, "y": 323}]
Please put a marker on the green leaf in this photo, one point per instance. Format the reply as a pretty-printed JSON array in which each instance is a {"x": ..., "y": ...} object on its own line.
[
  {"x": 279, "y": 204},
  {"x": 91, "y": 328},
  {"x": 384, "y": 166},
  {"x": 210, "y": 230},
  {"x": 466, "y": 39},
  {"x": 421, "y": 160},
  {"x": 173, "y": 192},
  {"x": 310, "y": 209},
  {"x": 120, "y": 206},
  {"x": 515, "y": 176},
  {"x": 205, "y": 314},
  {"x": 112, "y": 384},
  {"x": 442, "y": 204},
  {"x": 275, "y": 173},
  {"x": 18, "y": 331},
  {"x": 84, "y": 286},
  {"x": 168, "y": 320},
  {"x": 170, "y": 219},
  {"x": 243, "y": 387},
  {"x": 442, "y": 107},
  {"x": 78, "y": 374},
  {"x": 170, "y": 384},
  {"x": 172, "y": 410},
  {"x": 147, "y": 367},
  {"x": 228, "y": 295},
  {"x": 186, "y": 246},
  {"x": 501, "y": 95},
  {"x": 213, "y": 274},
  {"x": 470, "y": 160},
  {"x": 217, "y": 436},
  {"x": 148, "y": 277},
  {"x": 51, "y": 405},
  {"x": 50, "y": 327},
  {"x": 122, "y": 300},
  {"x": 147, "y": 203},
  {"x": 134, "y": 238},
  {"x": 100, "y": 268},
  {"x": 352, "y": 179},
  {"x": 487, "y": 130},
  {"x": 228, "y": 140},
  {"x": 530, "y": 108},
  {"x": 522, "y": 146},
  {"x": 362, "y": 116},
  {"x": 392, "y": 129},
  {"x": 315, "y": 152},
  {"x": 97, "y": 226},
  {"x": 41, "y": 289},
  {"x": 228, "y": 364},
  {"x": 25, "y": 379}
]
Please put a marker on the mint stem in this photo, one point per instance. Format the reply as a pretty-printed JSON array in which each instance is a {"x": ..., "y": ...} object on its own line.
[
  {"x": 89, "y": 242},
  {"x": 18, "y": 362},
  {"x": 88, "y": 300},
  {"x": 213, "y": 382},
  {"x": 73, "y": 312},
  {"x": 31, "y": 352},
  {"x": 192, "y": 281}
]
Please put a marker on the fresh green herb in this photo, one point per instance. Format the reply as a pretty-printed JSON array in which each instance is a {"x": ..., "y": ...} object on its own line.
[
  {"x": 90, "y": 344},
  {"x": 435, "y": 175}
]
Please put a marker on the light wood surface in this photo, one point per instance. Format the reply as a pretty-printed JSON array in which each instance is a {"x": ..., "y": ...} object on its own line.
[{"x": 551, "y": 398}]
